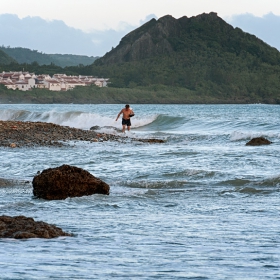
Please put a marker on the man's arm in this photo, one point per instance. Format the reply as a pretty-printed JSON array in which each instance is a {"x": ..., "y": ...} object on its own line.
[{"x": 119, "y": 115}]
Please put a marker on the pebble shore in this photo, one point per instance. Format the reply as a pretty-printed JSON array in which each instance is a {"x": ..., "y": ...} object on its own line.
[{"x": 31, "y": 134}]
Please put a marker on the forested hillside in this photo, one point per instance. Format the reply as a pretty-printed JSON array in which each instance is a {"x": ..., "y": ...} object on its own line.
[
  {"x": 24, "y": 55},
  {"x": 5, "y": 59},
  {"x": 203, "y": 54}
]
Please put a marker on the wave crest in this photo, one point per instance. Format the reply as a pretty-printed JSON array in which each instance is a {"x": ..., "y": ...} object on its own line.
[{"x": 77, "y": 119}]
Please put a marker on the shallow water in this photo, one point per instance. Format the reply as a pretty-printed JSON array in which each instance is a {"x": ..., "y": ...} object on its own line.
[{"x": 200, "y": 206}]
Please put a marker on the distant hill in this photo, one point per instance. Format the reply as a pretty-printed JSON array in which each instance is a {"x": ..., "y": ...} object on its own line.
[
  {"x": 5, "y": 59},
  {"x": 203, "y": 54},
  {"x": 24, "y": 55}
]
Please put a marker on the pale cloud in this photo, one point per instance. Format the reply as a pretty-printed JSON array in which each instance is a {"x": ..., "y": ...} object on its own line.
[
  {"x": 89, "y": 15},
  {"x": 93, "y": 27},
  {"x": 266, "y": 27},
  {"x": 16, "y": 32}
]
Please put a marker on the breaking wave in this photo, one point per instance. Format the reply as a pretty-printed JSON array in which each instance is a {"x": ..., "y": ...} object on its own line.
[{"x": 77, "y": 119}]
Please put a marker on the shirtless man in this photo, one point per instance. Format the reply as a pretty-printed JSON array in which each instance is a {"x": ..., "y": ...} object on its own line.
[{"x": 126, "y": 117}]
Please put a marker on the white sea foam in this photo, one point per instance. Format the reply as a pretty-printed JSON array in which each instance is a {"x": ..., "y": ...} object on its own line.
[
  {"x": 182, "y": 196},
  {"x": 77, "y": 119},
  {"x": 83, "y": 120},
  {"x": 9, "y": 114},
  {"x": 239, "y": 135}
]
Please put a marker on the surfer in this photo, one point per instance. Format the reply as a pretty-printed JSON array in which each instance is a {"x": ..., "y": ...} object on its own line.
[{"x": 127, "y": 114}]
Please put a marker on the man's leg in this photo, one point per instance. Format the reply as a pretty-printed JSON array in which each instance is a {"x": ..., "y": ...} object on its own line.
[
  {"x": 128, "y": 128},
  {"x": 123, "y": 128}
]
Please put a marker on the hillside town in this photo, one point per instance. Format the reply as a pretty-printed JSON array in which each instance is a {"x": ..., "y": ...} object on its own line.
[{"x": 58, "y": 82}]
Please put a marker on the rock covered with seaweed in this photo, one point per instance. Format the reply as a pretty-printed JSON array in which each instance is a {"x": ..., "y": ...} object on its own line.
[
  {"x": 258, "y": 141},
  {"x": 21, "y": 227},
  {"x": 67, "y": 181}
]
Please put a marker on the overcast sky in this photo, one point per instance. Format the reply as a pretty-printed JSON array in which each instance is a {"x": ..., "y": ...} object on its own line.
[
  {"x": 105, "y": 14},
  {"x": 121, "y": 16}
]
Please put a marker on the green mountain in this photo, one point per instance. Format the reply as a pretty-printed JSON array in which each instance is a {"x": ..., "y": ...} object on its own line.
[
  {"x": 200, "y": 59},
  {"x": 201, "y": 54},
  {"x": 24, "y": 55},
  {"x": 5, "y": 59}
]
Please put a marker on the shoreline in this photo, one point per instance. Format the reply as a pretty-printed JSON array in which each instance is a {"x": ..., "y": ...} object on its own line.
[
  {"x": 19, "y": 134},
  {"x": 31, "y": 134},
  {"x": 141, "y": 95},
  {"x": 35, "y": 134}
]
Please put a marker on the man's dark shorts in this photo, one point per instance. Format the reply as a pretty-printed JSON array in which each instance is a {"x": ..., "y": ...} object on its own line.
[{"x": 126, "y": 122}]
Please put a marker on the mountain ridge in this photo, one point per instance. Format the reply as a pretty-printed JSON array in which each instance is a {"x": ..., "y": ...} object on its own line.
[
  {"x": 164, "y": 36},
  {"x": 203, "y": 54}
]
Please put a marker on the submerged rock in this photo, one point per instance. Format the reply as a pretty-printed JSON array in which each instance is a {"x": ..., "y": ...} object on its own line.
[
  {"x": 12, "y": 182},
  {"x": 21, "y": 227},
  {"x": 96, "y": 127},
  {"x": 258, "y": 141},
  {"x": 5, "y": 182},
  {"x": 152, "y": 140},
  {"x": 67, "y": 181}
]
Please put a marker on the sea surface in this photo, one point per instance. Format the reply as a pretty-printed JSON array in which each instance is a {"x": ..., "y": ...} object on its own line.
[{"x": 202, "y": 205}]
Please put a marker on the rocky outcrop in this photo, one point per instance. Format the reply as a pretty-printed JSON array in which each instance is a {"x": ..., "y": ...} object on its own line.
[
  {"x": 67, "y": 181},
  {"x": 164, "y": 36},
  {"x": 146, "y": 41},
  {"x": 21, "y": 227},
  {"x": 17, "y": 134},
  {"x": 258, "y": 141}
]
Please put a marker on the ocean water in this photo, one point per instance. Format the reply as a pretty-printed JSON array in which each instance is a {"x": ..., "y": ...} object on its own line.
[{"x": 200, "y": 206}]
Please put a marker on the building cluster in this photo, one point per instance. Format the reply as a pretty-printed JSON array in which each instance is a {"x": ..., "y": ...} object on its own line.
[{"x": 58, "y": 82}]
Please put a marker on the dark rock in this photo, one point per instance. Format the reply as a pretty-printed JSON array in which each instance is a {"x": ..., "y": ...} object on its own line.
[
  {"x": 151, "y": 140},
  {"x": 21, "y": 227},
  {"x": 96, "y": 127},
  {"x": 258, "y": 141},
  {"x": 67, "y": 181},
  {"x": 33, "y": 134}
]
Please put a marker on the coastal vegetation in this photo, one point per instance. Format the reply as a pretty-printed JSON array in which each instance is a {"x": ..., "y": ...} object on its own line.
[{"x": 155, "y": 94}]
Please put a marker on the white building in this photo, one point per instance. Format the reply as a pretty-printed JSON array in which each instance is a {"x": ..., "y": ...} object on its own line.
[
  {"x": 59, "y": 82},
  {"x": 54, "y": 85}
]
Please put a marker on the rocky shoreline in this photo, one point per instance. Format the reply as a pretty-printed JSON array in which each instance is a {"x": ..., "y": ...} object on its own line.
[
  {"x": 31, "y": 134},
  {"x": 17, "y": 134}
]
